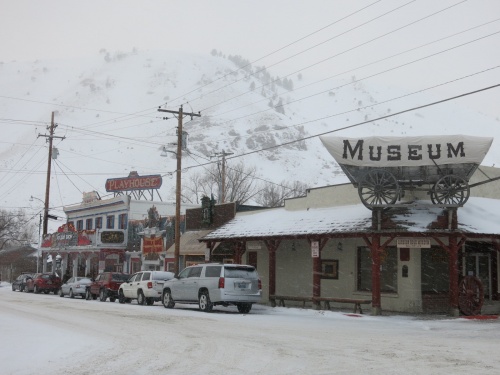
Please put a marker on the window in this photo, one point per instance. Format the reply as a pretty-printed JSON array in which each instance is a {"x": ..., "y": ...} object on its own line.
[
  {"x": 195, "y": 272},
  {"x": 184, "y": 273},
  {"x": 329, "y": 269},
  {"x": 88, "y": 224},
  {"x": 79, "y": 225},
  {"x": 122, "y": 221},
  {"x": 240, "y": 272},
  {"x": 110, "y": 222},
  {"x": 98, "y": 222},
  {"x": 388, "y": 270},
  {"x": 212, "y": 271},
  {"x": 146, "y": 276}
]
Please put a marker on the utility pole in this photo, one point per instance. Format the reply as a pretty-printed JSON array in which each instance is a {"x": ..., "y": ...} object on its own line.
[
  {"x": 49, "y": 137},
  {"x": 177, "y": 229},
  {"x": 223, "y": 154}
]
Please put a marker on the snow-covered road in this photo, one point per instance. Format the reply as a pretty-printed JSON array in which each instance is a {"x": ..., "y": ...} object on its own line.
[{"x": 46, "y": 334}]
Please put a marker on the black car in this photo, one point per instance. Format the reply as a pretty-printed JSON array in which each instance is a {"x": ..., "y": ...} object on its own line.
[{"x": 20, "y": 282}]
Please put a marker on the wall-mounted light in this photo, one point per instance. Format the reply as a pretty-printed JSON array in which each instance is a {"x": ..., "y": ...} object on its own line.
[{"x": 339, "y": 246}]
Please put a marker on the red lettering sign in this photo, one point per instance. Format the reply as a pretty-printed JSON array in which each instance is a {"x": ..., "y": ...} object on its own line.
[
  {"x": 152, "y": 245},
  {"x": 134, "y": 182}
]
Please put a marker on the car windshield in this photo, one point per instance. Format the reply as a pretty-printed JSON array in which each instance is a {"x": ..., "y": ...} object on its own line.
[
  {"x": 240, "y": 272},
  {"x": 120, "y": 277}
]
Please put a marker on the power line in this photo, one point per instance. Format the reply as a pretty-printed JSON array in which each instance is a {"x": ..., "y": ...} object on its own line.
[
  {"x": 379, "y": 103},
  {"x": 349, "y": 49},
  {"x": 350, "y": 70},
  {"x": 310, "y": 48},
  {"x": 357, "y": 124},
  {"x": 278, "y": 50}
]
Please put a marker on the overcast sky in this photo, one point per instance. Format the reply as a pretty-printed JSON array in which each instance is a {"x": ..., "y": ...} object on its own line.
[{"x": 32, "y": 29}]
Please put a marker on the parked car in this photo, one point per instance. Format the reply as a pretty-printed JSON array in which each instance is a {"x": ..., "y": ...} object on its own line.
[
  {"x": 20, "y": 282},
  {"x": 145, "y": 286},
  {"x": 106, "y": 285},
  {"x": 44, "y": 282},
  {"x": 75, "y": 286},
  {"x": 215, "y": 284}
]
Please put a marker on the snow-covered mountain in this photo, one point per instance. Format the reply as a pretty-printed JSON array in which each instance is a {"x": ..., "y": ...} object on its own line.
[{"x": 106, "y": 110}]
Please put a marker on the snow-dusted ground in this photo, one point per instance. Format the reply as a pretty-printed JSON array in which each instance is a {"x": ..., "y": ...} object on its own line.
[{"x": 46, "y": 334}]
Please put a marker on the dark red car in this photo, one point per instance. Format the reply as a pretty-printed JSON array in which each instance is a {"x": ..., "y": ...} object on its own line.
[
  {"x": 106, "y": 285},
  {"x": 44, "y": 282}
]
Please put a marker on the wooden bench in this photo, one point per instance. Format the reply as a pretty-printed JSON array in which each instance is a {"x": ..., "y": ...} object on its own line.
[
  {"x": 357, "y": 302},
  {"x": 281, "y": 300}
]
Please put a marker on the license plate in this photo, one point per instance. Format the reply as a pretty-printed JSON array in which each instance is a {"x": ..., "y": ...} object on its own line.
[{"x": 241, "y": 285}]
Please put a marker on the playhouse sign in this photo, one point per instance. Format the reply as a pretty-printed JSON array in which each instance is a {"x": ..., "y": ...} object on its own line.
[{"x": 133, "y": 182}]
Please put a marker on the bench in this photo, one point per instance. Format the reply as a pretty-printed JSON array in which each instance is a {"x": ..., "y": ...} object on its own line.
[
  {"x": 357, "y": 302},
  {"x": 281, "y": 300}
]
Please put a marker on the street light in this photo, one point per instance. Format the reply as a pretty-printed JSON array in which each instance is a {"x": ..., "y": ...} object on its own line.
[
  {"x": 39, "y": 234},
  {"x": 177, "y": 227}
]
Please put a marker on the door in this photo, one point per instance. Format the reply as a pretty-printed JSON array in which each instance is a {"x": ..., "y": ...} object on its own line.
[
  {"x": 128, "y": 286},
  {"x": 479, "y": 265}
]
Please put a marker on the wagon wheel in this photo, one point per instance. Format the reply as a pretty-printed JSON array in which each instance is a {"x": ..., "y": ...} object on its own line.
[
  {"x": 449, "y": 190},
  {"x": 378, "y": 187},
  {"x": 470, "y": 295}
]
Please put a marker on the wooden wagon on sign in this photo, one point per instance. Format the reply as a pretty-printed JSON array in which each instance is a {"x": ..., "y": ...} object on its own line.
[{"x": 383, "y": 168}]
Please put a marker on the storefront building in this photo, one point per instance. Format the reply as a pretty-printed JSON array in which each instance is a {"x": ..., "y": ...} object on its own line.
[{"x": 126, "y": 233}]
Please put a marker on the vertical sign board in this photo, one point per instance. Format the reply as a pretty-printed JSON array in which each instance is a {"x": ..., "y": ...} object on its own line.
[{"x": 315, "y": 249}]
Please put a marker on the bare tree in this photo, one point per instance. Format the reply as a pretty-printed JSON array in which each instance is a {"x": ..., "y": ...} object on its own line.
[
  {"x": 274, "y": 195},
  {"x": 14, "y": 228},
  {"x": 240, "y": 183}
]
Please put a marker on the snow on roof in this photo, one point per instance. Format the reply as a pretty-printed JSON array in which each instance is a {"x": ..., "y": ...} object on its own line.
[{"x": 479, "y": 215}]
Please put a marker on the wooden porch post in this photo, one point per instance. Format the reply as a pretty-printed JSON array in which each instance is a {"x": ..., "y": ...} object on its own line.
[
  {"x": 375, "y": 249},
  {"x": 272, "y": 246},
  {"x": 453, "y": 269},
  {"x": 376, "y": 296},
  {"x": 317, "y": 271}
]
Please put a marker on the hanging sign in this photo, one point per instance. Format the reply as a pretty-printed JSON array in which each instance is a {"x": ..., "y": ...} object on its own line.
[
  {"x": 414, "y": 243},
  {"x": 315, "y": 249}
]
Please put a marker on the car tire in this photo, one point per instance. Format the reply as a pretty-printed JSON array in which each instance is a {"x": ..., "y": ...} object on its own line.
[
  {"x": 167, "y": 300},
  {"x": 26, "y": 289},
  {"x": 103, "y": 295},
  {"x": 140, "y": 298},
  {"x": 61, "y": 294},
  {"x": 244, "y": 308},
  {"x": 46, "y": 291},
  {"x": 112, "y": 299},
  {"x": 36, "y": 289},
  {"x": 204, "y": 302},
  {"x": 121, "y": 297},
  {"x": 150, "y": 301},
  {"x": 71, "y": 294},
  {"x": 13, "y": 288}
]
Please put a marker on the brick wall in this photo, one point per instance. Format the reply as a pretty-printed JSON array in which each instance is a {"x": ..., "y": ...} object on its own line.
[{"x": 222, "y": 213}]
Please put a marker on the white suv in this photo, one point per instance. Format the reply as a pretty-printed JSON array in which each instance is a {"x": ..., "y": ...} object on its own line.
[
  {"x": 145, "y": 286},
  {"x": 215, "y": 284}
]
